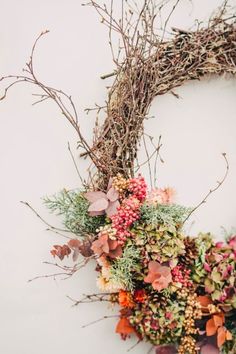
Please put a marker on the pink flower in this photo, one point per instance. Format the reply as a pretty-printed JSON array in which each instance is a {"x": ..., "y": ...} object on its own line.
[
  {"x": 161, "y": 196},
  {"x": 219, "y": 244},
  {"x": 138, "y": 187},
  {"x": 159, "y": 276},
  {"x": 207, "y": 267},
  {"x": 126, "y": 215},
  {"x": 232, "y": 242},
  {"x": 101, "y": 203}
]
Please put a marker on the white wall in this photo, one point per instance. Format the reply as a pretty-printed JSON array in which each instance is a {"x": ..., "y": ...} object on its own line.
[{"x": 37, "y": 317}]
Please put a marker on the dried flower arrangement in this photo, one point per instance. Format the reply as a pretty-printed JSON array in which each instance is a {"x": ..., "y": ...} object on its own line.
[{"x": 174, "y": 291}]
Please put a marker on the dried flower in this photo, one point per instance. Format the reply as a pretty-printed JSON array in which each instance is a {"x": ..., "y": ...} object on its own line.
[
  {"x": 101, "y": 202},
  {"x": 60, "y": 251},
  {"x": 161, "y": 196},
  {"x": 125, "y": 299},
  {"x": 105, "y": 246},
  {"x": 138, "y": 187},
  {"x": 159, "y": 276}
]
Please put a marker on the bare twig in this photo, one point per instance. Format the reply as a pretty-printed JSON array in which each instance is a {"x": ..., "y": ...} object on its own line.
[
  {"x": 52, "y": 228},
  {"x": 99, "y": 320},
  {"x": 219, "y": 184}
]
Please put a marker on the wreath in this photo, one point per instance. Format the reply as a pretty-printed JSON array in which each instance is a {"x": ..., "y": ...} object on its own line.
[{"x": 174, "y": 291}]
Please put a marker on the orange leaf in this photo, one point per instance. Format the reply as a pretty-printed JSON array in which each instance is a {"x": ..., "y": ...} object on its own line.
[
  {"x": 229, "y": 335},
  {"x": 211, "y": 328},
  {"x": 219, "y": 319},
  {"x": 204, "y": 300},
  {"x": 221, "y": 336},
  {"x": 124, "y": 327}
]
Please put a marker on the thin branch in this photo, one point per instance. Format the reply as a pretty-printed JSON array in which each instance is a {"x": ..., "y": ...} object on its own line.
[
  {"x": 53, "y": 228},
  {"x": 219, "y": 184},
  {"x": 75, "y": 164},
  {"x": 99, "y": 320}
]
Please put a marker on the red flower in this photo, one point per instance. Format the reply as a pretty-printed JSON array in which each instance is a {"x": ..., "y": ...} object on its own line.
[{"x": 140, "y": 296}]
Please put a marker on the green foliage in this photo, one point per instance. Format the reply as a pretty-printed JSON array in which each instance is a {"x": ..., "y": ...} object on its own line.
[
  {"x": 74, "y": 208},
  {"x": 164, "y": 214},
  {"x": 204, "y": 243},
  {"x": 123, "y": 269},
  {"x": 155, "y": 311},
  {"x": 163, "y": 242}
]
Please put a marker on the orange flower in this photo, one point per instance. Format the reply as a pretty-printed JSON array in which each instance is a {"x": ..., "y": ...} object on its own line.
[{"x": 125, "y": 299}]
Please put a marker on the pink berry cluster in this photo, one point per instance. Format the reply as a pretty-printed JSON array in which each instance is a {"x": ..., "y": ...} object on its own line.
[
  {"x": 182, "y": 275},
  {"x": 138, "y": 187},
  {"x": 126, "y": 215}
]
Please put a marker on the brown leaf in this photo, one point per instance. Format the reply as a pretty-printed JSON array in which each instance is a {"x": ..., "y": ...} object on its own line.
[
  {"x": 60, "y": 251},
  {"x": 74, "y": 243},
  {"x": 85, "y": 249}
]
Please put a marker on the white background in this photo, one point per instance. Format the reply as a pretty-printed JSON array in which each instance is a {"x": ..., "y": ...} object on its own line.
[{"x": 37, "y": 317}]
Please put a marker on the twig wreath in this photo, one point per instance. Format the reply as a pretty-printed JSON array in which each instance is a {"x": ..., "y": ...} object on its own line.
[{"x": 174, "y": 291}]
